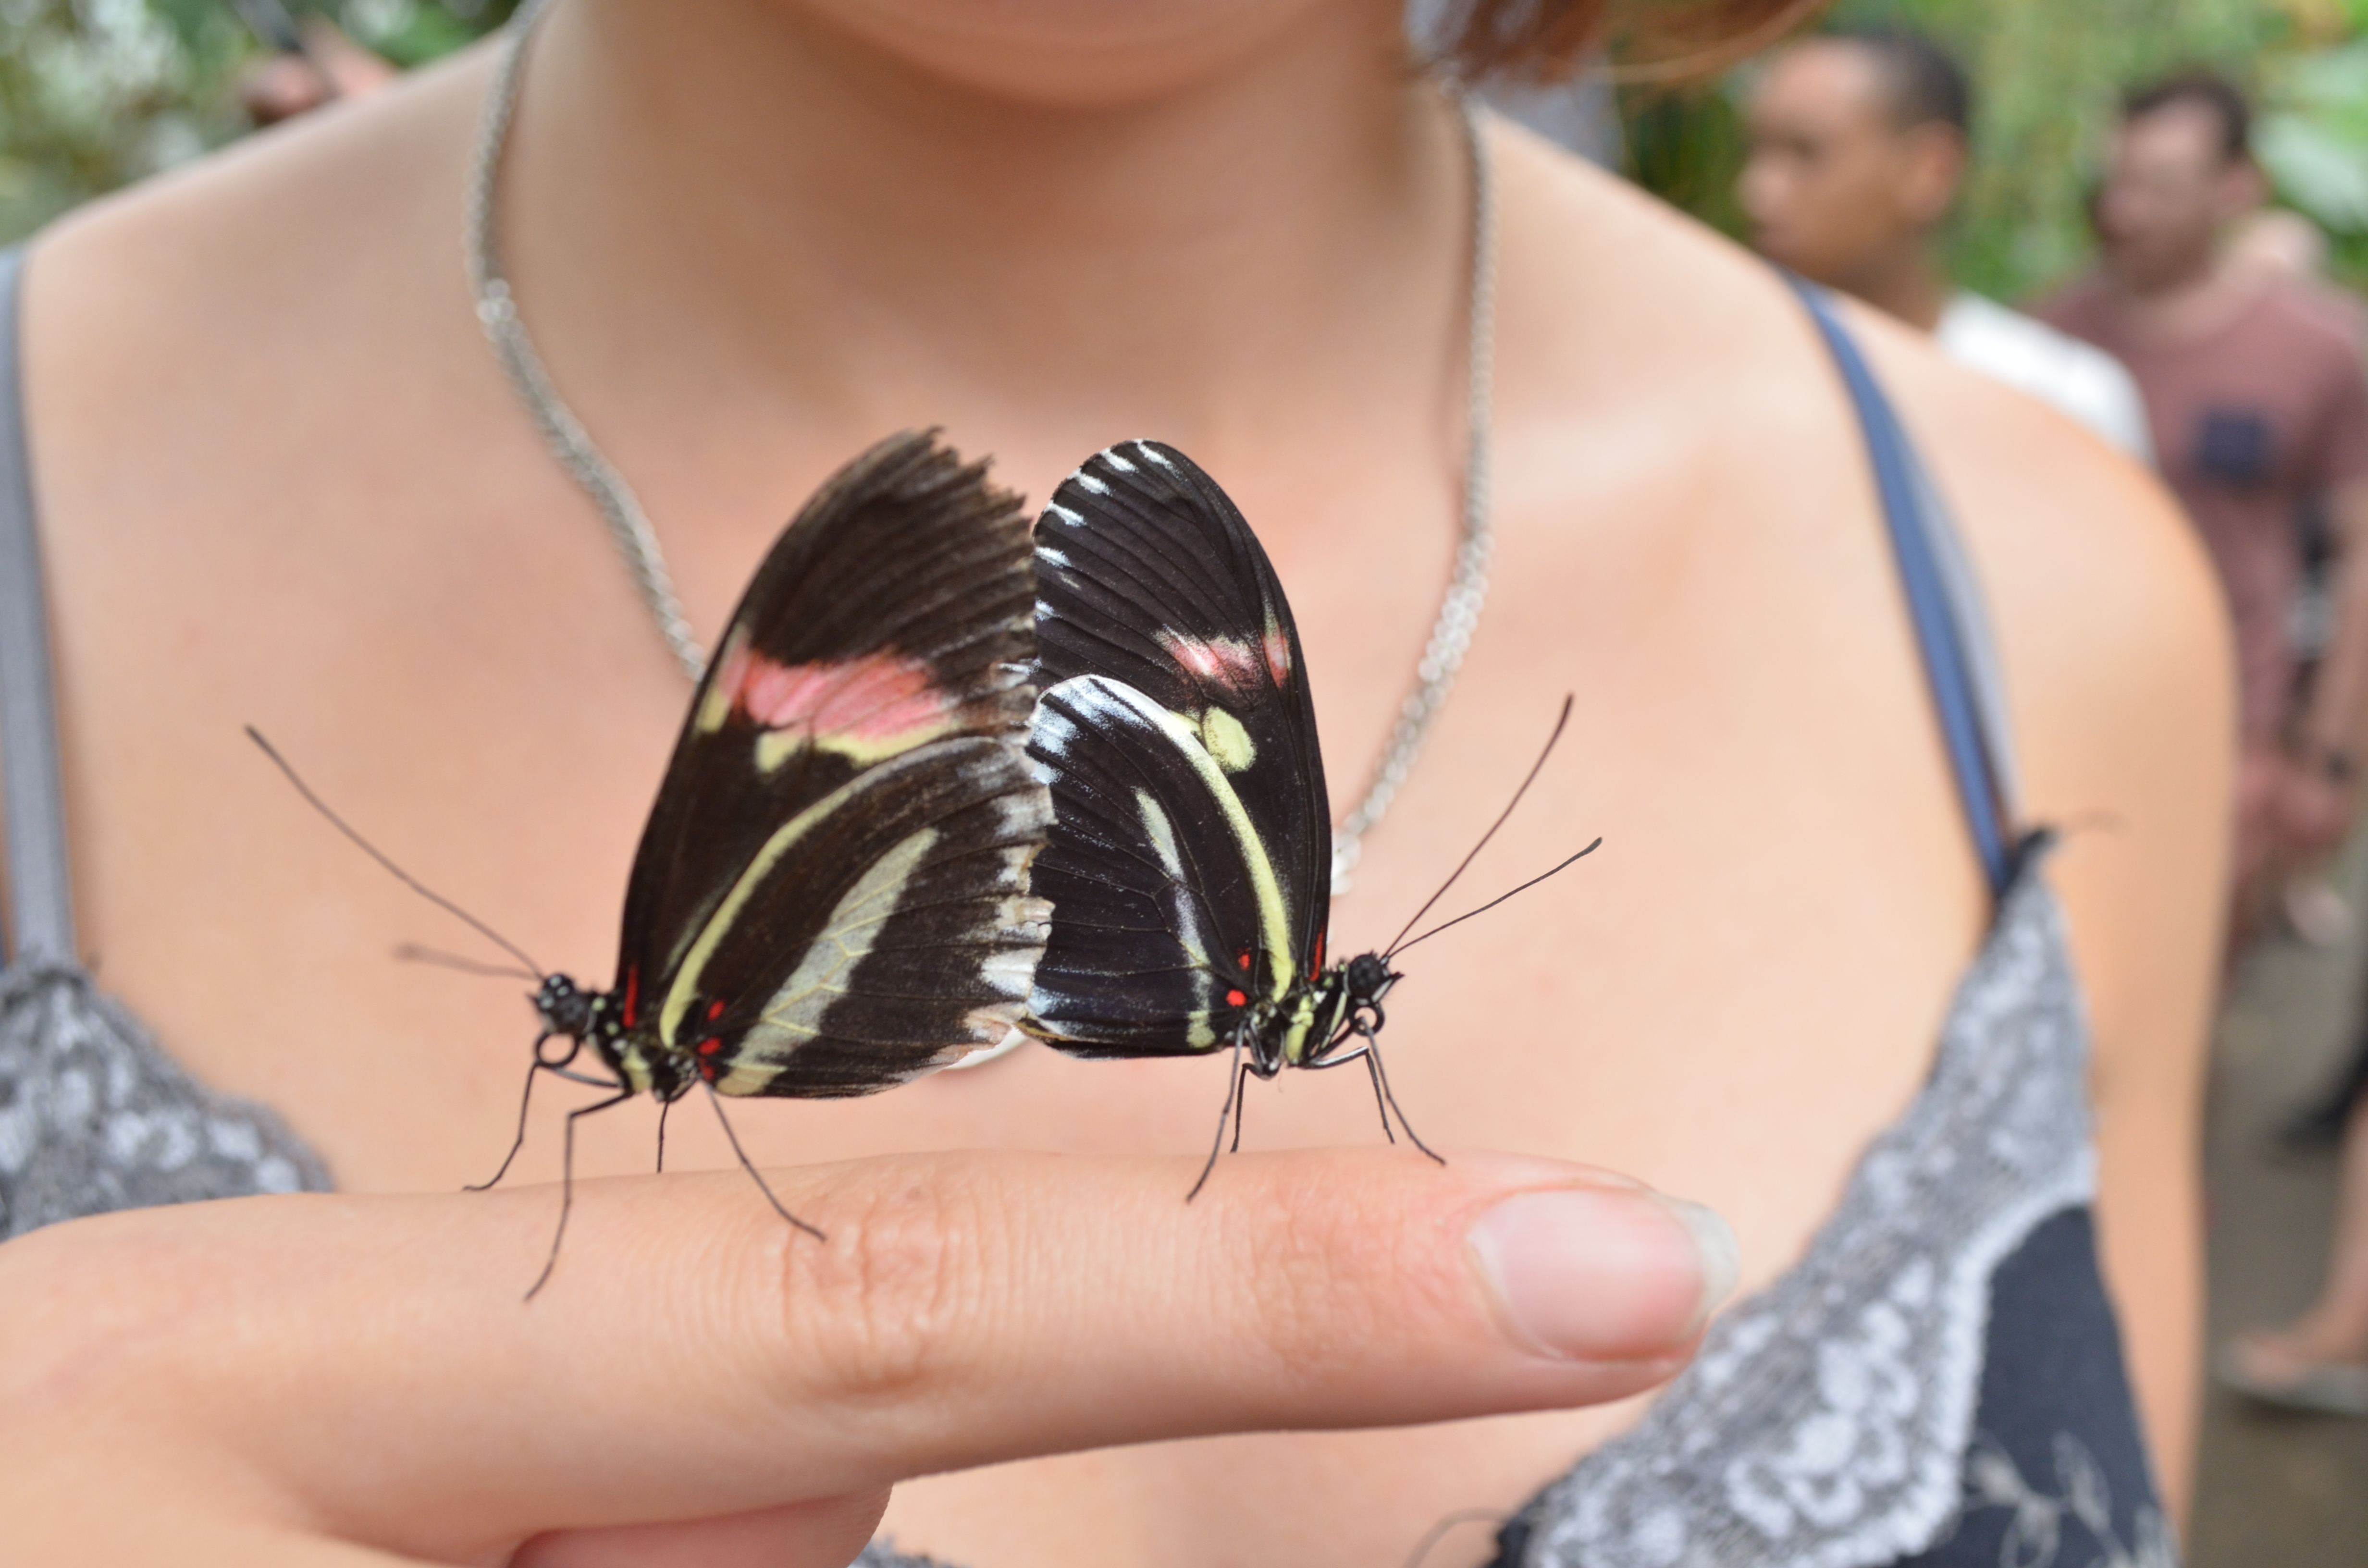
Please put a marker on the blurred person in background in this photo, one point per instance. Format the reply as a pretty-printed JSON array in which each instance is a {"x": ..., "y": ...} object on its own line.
[
  {"x": 2286, "y": 246},
  {"x": 312, "y": 62},
  {"x": 2319, "y": 1361},
  {"x": 2251, "y": 368},
  {"x": 2258, "y": 403},
  {"x": 1859, "y": 143}
]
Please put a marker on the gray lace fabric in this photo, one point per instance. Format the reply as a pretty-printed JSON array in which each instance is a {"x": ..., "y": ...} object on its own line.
[
  {"x": 1829, "y": 1420},
  {"x": 95, "y": 1117}
]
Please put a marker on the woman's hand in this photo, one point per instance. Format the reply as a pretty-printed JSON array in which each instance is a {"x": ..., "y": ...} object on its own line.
[{"x": 356, "y": 1381}]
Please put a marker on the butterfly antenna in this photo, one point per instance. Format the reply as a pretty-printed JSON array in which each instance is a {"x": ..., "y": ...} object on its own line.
[
  {"x": 411, "y": 952},
  {"x": 1500, "y": 898},
  {"x": 1560, "y": 719},
  {"x": 405, "y": 878}
]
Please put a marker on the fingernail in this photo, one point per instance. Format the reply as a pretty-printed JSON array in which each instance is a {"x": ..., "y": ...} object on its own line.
[{"x": 1596, "y": 1274}]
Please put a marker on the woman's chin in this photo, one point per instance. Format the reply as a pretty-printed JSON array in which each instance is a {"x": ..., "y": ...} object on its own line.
[{"x": 1089, "y": 53}]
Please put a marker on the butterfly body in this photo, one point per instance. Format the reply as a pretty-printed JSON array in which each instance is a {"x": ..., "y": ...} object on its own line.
[{"x": 630, "y": 1047}]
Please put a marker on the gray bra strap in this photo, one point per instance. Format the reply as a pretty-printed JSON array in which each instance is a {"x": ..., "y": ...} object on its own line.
[{"x": 41, "y": 895}]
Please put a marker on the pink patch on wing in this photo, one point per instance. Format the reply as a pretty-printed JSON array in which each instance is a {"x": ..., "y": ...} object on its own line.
[
  {"x": 1278, "y": 655},
  {"x": 1219, "y": 662},
  {"x": 873, "y": 697}
]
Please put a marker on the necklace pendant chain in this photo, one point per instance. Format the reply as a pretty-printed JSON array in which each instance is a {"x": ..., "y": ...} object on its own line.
[
  {"x": 637, "y": 541},
  {"x": 561, "y": 432}
]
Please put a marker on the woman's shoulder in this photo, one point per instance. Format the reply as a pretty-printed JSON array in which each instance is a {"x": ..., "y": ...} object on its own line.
[
  {"x": 2103, "y": 597},
  {"x": 266, "y": 238},
  {"x": 198, "y": 348},
  {"x": 1665, "y": 347},
  {"x": 1614, "y": 296},
  {"x": 2099, "y": 588}
]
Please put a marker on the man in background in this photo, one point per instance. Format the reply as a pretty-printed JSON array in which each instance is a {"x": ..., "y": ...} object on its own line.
[
  {"x": 2259, "y": 406},
  {"x": 1859, "y": 143}
]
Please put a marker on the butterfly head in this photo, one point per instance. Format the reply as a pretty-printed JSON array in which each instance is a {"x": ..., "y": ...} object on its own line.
[
  {"x": 567, "y": 1008},
  {"x": 1368, "y": 979}
]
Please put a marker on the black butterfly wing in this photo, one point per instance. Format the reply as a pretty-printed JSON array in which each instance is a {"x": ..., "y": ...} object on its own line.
[
  {"x": 1157, "y": 899},
  {"x": 1178, "y": 739},
  {"x": 831, "y": 896}
]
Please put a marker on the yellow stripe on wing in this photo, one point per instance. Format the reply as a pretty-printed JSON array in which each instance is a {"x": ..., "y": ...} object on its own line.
[
  {"x": 1274, "y": 912},
  {"x": 684, "y": 991},
  {"x": 795, "y": 1010}
]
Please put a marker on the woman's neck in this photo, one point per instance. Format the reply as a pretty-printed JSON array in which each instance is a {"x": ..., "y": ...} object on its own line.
[{"x": 718, "y": 199}]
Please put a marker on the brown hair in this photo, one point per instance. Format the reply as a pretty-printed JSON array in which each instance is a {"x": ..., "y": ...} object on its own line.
[
  {"x": 2209, "y": 89},
  {"x": 1648, "y": 40}
]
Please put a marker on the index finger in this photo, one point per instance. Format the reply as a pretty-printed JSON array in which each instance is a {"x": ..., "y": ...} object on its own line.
[{"x": 695, "y": 1358}]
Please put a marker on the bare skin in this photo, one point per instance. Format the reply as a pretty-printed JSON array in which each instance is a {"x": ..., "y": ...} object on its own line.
[{"x": 284, "y": 484}]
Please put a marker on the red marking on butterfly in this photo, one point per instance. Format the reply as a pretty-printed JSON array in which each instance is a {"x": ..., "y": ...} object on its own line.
[
  {"x": 1236, "y": 999},
  {"x": 1245, "y": 959},
  {"x": 707, "y": 1069},
  {"x": 1219, "y": 662},
  {"x": 633, "y": 995},
  {"x": 709, "y": 1045},
  {"x": 1318, "y": 964},
  {"x": 715, "y": 1009},
  {"x": 874, "y": 696},
  {"x": 1278, "y": 654}
]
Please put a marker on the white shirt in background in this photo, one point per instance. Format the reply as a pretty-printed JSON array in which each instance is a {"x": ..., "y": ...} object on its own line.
[{"x": 2078, "y": 378}]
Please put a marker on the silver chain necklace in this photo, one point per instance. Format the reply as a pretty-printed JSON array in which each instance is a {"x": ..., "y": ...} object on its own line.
[{"x": 1459, "y": 607}]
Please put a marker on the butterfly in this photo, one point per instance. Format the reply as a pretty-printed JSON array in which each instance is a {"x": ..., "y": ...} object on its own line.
[
  {"x": 1189, "y": 861},
  {"x": 831, "y": 894}
]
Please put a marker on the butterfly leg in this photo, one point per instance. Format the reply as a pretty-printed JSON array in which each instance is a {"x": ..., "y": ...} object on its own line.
[
  {"x": 750, "y": 1167},
  {"x": 1241, "y": 1104},
  {"x": 526, "y": 1099},
  {"x": 1384, "y": 1097},
  {"x": 663, "y": 1107},
  {"x": 1232, "y": 1094},
  {"x": 567, "y": 1183},
  {"x": 1380, "y": 1101},
  {"x": 1382, "y": 1079}
]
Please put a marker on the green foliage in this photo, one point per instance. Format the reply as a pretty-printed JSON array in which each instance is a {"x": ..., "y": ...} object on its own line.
[
  {"x": 412, "y": 34},
  {"x": 1686, "y": 146},
  {"x": 2313, "y": 142},
  {"x": 94, "y": 94}
]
